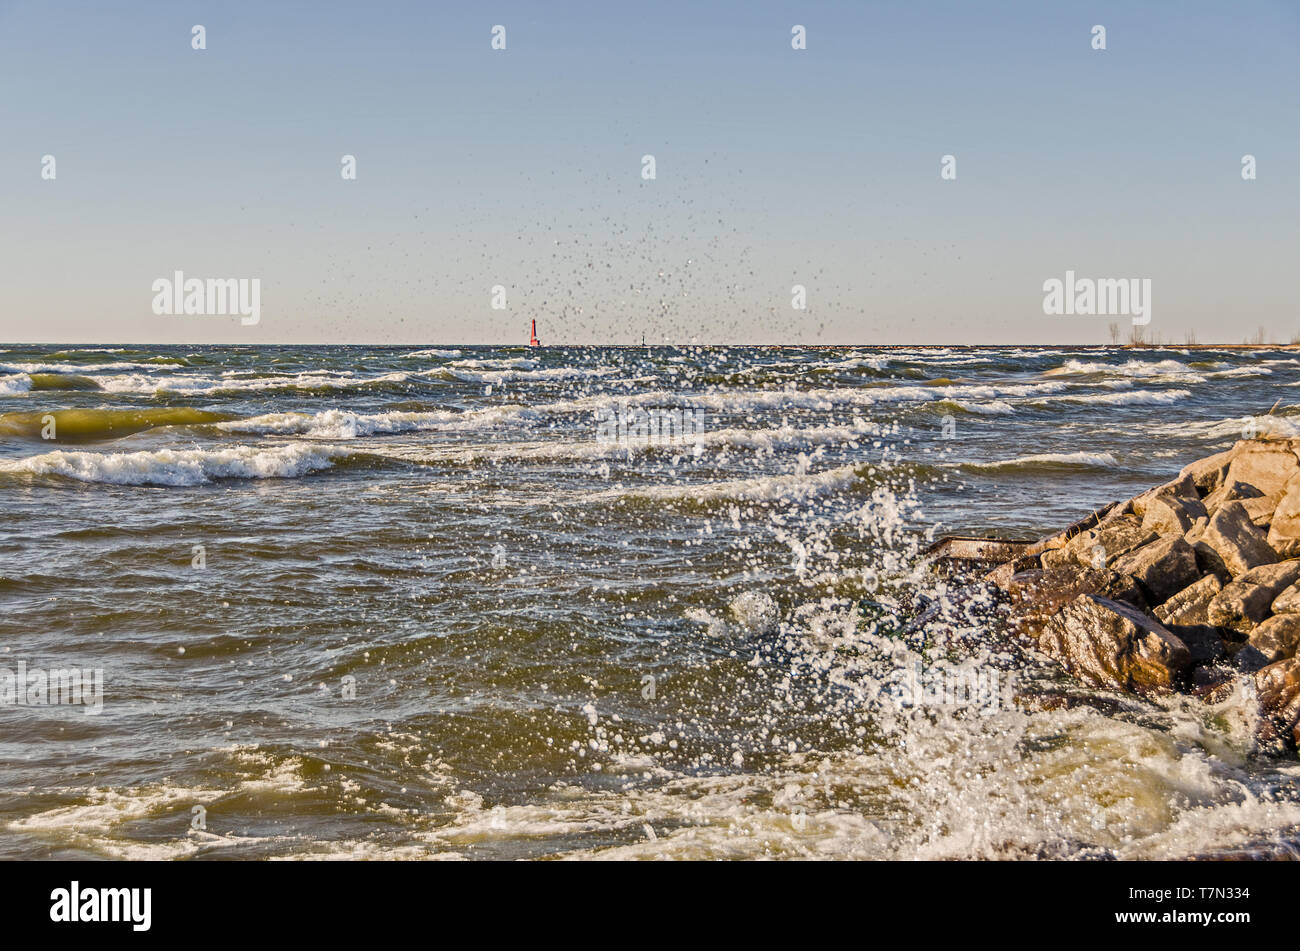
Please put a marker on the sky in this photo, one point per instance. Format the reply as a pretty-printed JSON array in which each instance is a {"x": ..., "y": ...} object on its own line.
[{"x": 522, "y": 169}]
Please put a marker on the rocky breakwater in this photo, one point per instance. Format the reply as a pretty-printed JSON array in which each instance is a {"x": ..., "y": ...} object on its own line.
[{"x": 1190, "y": 586}]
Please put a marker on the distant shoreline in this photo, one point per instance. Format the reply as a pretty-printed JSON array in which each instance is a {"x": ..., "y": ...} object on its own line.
[{"x": 731, "y": 346}]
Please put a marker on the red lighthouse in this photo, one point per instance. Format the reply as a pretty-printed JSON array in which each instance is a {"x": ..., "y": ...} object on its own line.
[{"x": 534, "y": 342}]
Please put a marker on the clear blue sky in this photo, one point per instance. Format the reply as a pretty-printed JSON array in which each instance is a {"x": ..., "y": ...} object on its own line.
[{"x": 523, "y": 168}]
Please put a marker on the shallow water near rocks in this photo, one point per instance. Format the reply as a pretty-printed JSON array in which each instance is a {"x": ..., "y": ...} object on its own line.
[{"x": 438, "y": 617}]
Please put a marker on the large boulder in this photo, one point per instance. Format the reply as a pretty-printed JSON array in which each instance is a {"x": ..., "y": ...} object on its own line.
[
  {"x": 1184, "y": 487},
  {"x": 1162, "y": 567},
  {"x": 1111, "y": 644},
  {"x": 1059, "y": 539},
  {"x": 1189, "y": 606},
  {"x": 1288, "y": 602},
  {"x": 1284, "y": 530},
  {"x": 1230, "y": 492},
  {"x": 1204, "y": 643},
  {"x": 1170, "y": 514},
  {"x": 1036, "y": 596},
  {"x": 1245, "y": 602},
  {"x": 1261, "y": 509},
  {"x": 1208, "y": 473},
  {"x": 1057, "y": 558},
  {"x": 1277, "y": 638},
  {"x": 1268, "y": 465},
  {"x": 1003, "y": 573},
  {"x": 1278, "y": 688},
  {"x": 1099, "y": 546},
  {"x": 1235, "y": 539}
]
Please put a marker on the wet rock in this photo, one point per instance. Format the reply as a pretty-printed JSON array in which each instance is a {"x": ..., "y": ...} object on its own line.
[
  {"x": 1189, "y": 605},
  {"x": 1111, "y": 644},
  {"x": 964, "y": 558},
  {"x": 1235, "y": 539},
  {"x": 1199, "y": 548},
  {"x": 1058, "y": 558},
  {"x": 1002, "y": 574},
  {"x": 1248, "y": 660},
  {"x": 1212, "y": 684},
  {"x": 1162, "y": 568},
  {"x": 1100, "y": 546},
  {"x": 1278, "y": 689},
  {"x": 1059, "y": 539},
  {"x": 1265, "y": 464},
  {"x": 1246, "y": 602},
  {"x": 1038, "y": 595},
  {"x": 1040, "y": 700},
  {"x": 1204, "y": 644},
  {"x": 1277, "y": 638}
]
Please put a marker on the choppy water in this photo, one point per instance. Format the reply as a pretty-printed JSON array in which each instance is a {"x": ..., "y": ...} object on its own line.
[{"x": 432, "y": 596}]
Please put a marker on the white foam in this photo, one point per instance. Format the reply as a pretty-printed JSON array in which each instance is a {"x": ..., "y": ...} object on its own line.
[
  {"x": 792, "y": 487},
  {"x": 1084, "y": 459},
  {"x": 1165, "y": 371},
  {"x": 1233, "y": 428},
  {"x": 16, "y": 384},
  {"x": 1241, "y": 372},
  {"x": 1127, "y": 398},
  {"x": 440, "y": 354},
  {"x": 549, "y": 374},
  {"x": 201, "y": 385},
  {"x": 994, "y": 408},
  {"x": 179, "y": 467},
  {"x": 84, "y": 368}
]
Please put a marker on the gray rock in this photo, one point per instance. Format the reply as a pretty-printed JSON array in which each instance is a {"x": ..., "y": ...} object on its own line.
[
  {"x": 1208, "y": 562},
  {"x": 1111, "y": 644},
  {"x": 1057, "y": 558},
  {"x": 1003, "y": 573},
  {"x": 1183, "y": 487},
  {"x": 1059, "y": 539},
  {"x": 1261, "y": 509}
]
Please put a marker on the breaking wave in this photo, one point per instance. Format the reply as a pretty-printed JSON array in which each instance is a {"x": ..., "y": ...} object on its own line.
[{"x": 180, "y": 467}]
